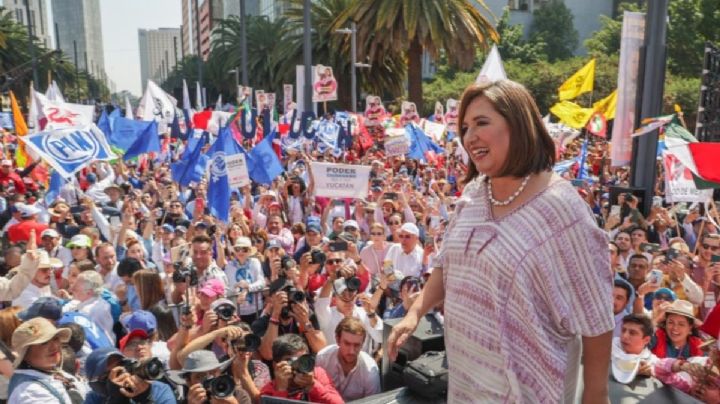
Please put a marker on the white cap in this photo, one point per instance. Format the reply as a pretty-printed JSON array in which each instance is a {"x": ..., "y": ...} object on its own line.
[
  {"x": 351, "y": 223},
  {"x": 6, "y": 163},
  {"x": 410, "y": 228},
  {"x": 50, "y": 233},
  {"x": 27, "y": 210}
]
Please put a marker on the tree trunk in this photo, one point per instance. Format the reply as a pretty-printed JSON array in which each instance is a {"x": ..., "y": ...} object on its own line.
[{"x": 415, "y": 92}]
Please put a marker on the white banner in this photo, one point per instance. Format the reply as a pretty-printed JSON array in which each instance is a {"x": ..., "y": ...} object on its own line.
[
  {"x": 340, "y": 180},
  {"x": 631, "y": 41},
  {"x": 679, "y": 184},
  {"x": 59, "y": 115},
  {"x": 237, "y": 170},
  {"x": 396, "y": 145},
  {"x": 434, "y": 129}
]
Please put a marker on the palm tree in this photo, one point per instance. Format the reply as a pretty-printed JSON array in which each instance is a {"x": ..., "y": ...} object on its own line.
[{"x": 410, "y": 27}]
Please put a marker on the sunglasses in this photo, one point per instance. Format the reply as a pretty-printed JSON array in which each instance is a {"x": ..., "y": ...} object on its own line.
[
  {"x": 336, "y": 261},
  {"x": 404, "y": 235},
  {"x": 394, "y": 223},
  {"x": 349, "y": 229},
  {"x": 711, "y": 247},
  {"x": 76, "y": 247},
  {"x": 242, "y": 249},
  {"x": 377, "y": 234}
]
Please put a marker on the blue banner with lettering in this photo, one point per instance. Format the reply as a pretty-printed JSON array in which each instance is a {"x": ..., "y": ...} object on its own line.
[{"x": 71, "y": 149}]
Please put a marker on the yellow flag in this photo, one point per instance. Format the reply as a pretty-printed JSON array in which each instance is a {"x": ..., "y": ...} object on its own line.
[
  {"x": 21, "y": 129},
  {"x": 607, "y": 106},
  {"x": 572, "y": 114},
  {"x": 580, "y": 82}
]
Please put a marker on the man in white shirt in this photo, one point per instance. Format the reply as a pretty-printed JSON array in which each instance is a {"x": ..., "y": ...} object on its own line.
[
  {"x": 40, "y": 284},
  {"x": 51, "y": 243},
  {"x": 354, "y": 372},
  {"x": 87, "y": 300},
  {"x": 406, "y": 256},
  {"x": 107, "y": 266}
]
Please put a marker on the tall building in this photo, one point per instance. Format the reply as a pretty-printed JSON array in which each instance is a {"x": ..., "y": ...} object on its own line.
[
  {"x": 159, "y": 49},
  {"x": 232, "y": 7},
  {"x": 79, "y": 26},
  {"x": 38, "y": 16},
  {"x": 199, "y": 15}
]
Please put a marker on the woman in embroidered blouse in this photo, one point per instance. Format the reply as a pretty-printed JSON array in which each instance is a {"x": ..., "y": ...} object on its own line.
[{"x": 522, "y": 249}]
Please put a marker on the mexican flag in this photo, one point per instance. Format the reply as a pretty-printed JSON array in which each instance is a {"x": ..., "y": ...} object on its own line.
[{"x": 700, "y": 158}]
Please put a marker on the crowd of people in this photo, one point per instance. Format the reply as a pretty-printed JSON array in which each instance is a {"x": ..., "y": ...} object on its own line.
[{"x": 124, "y": 288}]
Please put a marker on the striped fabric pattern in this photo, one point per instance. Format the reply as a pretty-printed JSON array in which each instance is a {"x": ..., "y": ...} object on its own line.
[{"x": 519, "y": 292}]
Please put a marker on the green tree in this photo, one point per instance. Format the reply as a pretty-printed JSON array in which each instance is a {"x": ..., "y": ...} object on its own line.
[
  {"x": 513, "y": 46},
  {"x": 553, "y": 26},
  {"x": 685, "y": 42},
  {"x": 410, "y": 27}
]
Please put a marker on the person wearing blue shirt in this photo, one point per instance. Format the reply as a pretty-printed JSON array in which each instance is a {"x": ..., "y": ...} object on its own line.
[{"x": 109, "y": 379}]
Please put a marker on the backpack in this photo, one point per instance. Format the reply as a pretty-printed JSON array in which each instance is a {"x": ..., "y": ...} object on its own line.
[
  {"x": 427, "y": 375},
  {"x": 115, "y": 307}
]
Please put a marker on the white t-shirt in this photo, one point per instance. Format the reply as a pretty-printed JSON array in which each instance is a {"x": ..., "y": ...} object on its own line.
[
  {"x": 30, "y": 294},
  {"x": 329, "y": 317},
  {"x": 408, "y": 264},
  {"x": 362, "y": 381}
]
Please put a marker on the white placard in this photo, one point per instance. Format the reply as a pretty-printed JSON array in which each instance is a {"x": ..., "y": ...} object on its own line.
[
  {"x": 237, "y": 170},
  {"x": 679, "y": 184},
  {"x": 396, "y": 145},
  {"x": 340, "y": 180}
]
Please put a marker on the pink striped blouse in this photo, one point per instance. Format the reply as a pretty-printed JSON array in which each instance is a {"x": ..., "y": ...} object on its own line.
[{"x": 519, "y": 294}]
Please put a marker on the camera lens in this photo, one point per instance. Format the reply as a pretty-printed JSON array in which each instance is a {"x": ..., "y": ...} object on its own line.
[
  {"x": 225, "y": 312},
  {"x": 297, "y": 296},
  {"x": 221, "y": 386},
  {"x": 353, "y": 283},
  {"x": 303, "y": 364}
]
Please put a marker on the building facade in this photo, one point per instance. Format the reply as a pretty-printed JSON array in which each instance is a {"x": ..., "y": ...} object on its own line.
[
  {"x": 159, "y": 53},
  {"x": 198, "y": 21},
  {"x": 79, "y": 27},
  {"x": 38, "y": 16}
]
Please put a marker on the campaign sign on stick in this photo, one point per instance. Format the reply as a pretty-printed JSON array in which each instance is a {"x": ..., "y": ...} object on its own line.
[
  {"x": 396, "y": 145},
  {"x": 69, "y": 150},
  {"x": 679, "y": 184},
  {"x": 340, "y": 180},
  {"x": 237, "y": 170}
]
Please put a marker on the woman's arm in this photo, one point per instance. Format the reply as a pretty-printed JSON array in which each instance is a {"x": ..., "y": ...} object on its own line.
[{"x": 596, "y": 366}]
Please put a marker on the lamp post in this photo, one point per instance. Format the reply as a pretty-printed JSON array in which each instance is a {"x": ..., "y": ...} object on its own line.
[
  {"x": 352, "y": 31},
  {"x": 236, "y": 71}
]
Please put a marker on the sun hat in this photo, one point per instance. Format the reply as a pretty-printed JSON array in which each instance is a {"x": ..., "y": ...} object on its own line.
[
  {"x": 410, "y": 228},
  {"x": 243, "y": 242},
  {"x": 49, "y": 233},
  {"x": 35, "y": 331},
  {"x": 681, "y": 307},
  {"x": 197, "y": 362},
  {"x": 80, "y": 240}
]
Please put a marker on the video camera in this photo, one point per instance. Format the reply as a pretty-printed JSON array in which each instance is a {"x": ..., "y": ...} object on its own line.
[
  {"x": 317, "y": 257},
  {"x": 146, "y": 369},
  {"x": 294, "y": 296},
  {"x": 302, "y": 364},
  {"x": 225, "y": 311},
  {"x": 183, "y": 273}
]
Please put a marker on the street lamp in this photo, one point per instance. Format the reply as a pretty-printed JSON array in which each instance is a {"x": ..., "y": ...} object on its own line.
[
  {"x": 352, "y": 31},
  {"x": 237, "y": 79}
]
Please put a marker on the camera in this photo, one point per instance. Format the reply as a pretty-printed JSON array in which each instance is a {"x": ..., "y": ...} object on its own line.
[
  {"x": 183, "y": 273},
  {"x": 670, "y": 255},
  {"x": 294, "y": 296},
  {"x": 353, "y": 283},
  {"x": 225, "y": 311},
  {"x": 302, "y": 364},
  {"x": 317, "y": 257},
  {"x": 248, "y": 343},
  {"x": 286, "y": 262},
  {"x": 221, "y": 386},
  {"x": 146, "y": 369}
]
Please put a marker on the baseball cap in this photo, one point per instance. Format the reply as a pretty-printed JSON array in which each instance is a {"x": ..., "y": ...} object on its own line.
[
  {"x": 48, "y": 307},
  {"x": 168, "y": 228},
  {"x": 138, "y": 333},
  {"x": 27, "y": 210},
  {"x": 7, "y": 163},
  {"x": 49, "y": 233},
  {"x": 79, "y": 240},
  {"x": 96, "y": 362},
  {"x": 140, "y": 320},
  {"x": 213, "y": 288},
  {"x": 274, "y": 243},
  {"x": 314, "y": 227},
  {"x": 665, "y": 292},
  {"x": 352, "y": 224},
  {"x": 91, "y": 178},
  {"x": 219, "y": 302},
  {"x": 410, "y": 228}
]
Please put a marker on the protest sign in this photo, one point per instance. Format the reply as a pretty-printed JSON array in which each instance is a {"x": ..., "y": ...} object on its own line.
[
  {"x": 324, "y": 84},
  {"x": 6, "y": 120},
  {"x": 340, "y": 180},
  {"x": 374, "y": 111},
  {"x": 237, "y": 170},
  {"x": 409, "y": 113},
  {"x": 451, "y": 115},
  {"x": 434, "y": 129},
  {"x": 679, "y": 184},
  {"x": 397, "y": 145},
  {"x": 260, "y": 100},
  {"x": 287, "y": 98},
  {"x": 68, "y": 150}
]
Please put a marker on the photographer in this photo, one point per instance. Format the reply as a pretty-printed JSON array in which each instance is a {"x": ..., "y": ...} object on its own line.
[
  {"x": 111, "y": 382},
  {"x": 410, "y": 287},
  {"x": 201, "y": 373},
  {"x": 287, "y": 313},
  {"x": 296, "y": 376}
]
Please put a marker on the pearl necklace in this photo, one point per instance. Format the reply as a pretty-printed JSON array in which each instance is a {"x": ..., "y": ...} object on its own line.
[{"x": 512, "y": 197}]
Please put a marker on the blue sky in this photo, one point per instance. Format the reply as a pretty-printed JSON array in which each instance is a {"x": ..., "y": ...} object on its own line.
[{"x": 121, "y": 20}]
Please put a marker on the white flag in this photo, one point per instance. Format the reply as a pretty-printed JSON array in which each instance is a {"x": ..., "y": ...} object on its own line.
[
  {"x": 198, "y": 97},
  {"x": 57, "y": 115},
  {"x": 128, "y": 109},
  {"x": 218, "y": 103},
  {"x": 492, "y": 69},
  {"x": 157, "y": 105},
  {"x": 186, "y": 97},
  {"x": 53, "y": 93}
]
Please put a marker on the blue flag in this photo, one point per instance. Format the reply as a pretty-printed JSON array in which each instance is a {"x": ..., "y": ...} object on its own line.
[
  {"x": 148, "y": 141},
  {"x": 191, "y": 166},
  {"x": 175, "y": 132},
  {"x": 104, "y": 124},
  {"x": 218, "y": 194},
  {"x": 114, "y": 115},
  {"x": 582, "y": 170},
  {"x": 420, "y": 143},
  {"x": 263, "y": 164},
  {"x": 126, "y": 132},
  {"x": 56, "y": 183}
]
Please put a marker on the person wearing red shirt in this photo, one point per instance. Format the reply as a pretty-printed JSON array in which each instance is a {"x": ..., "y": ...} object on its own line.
[
  {"x": 7, "y": 175},
  {"x": 296, "y": 376},
  {"x": 20, "y": 232}
]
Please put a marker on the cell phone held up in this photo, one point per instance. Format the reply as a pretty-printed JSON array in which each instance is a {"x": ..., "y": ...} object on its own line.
[
  {"x": 650, "y": 248},
  {"x": 655, "y": 277},
  {"x": 339, "y": 245}
]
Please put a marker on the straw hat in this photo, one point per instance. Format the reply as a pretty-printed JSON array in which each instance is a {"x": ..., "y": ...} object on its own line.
[
  {"x": 681, "y": 307},
  {"x": 35, "y": 332}
]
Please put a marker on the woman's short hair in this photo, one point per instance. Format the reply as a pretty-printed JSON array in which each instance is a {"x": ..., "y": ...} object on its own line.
[{"x": 532, "y": 150}]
